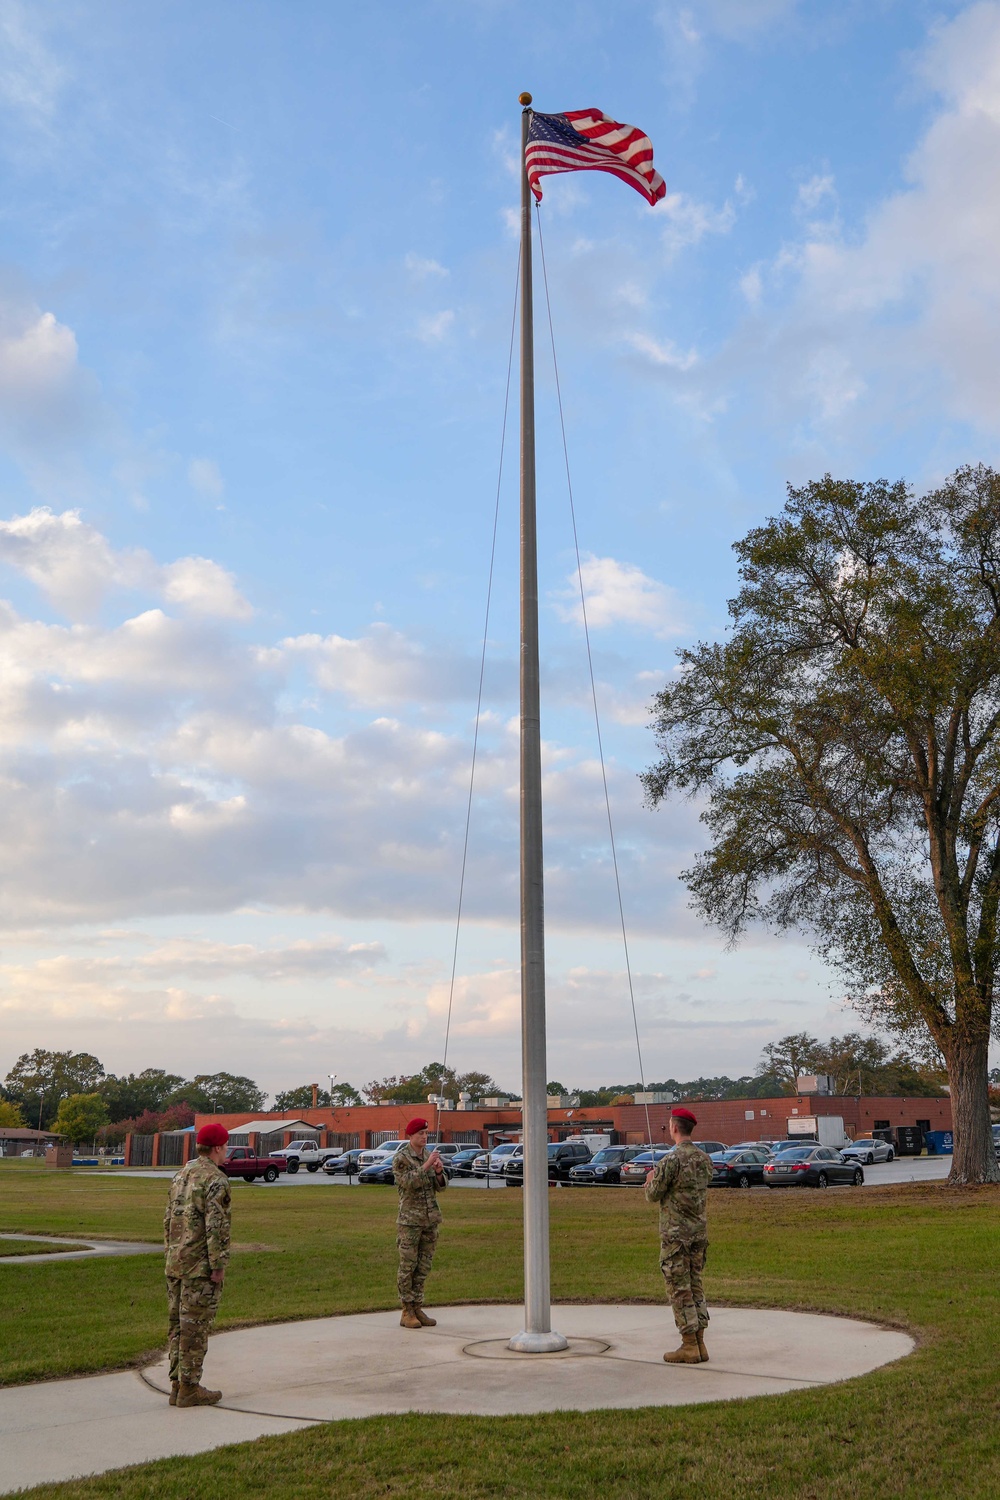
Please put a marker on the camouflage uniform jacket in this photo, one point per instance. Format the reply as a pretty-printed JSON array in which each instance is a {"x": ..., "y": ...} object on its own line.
[
  {"x": 417, "y": 1189},
  {"x": 196, "y": 1223},
  {"x": 680, "y": 1186}
]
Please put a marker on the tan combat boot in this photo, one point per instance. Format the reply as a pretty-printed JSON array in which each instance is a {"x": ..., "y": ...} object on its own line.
[
  {"x": 422, "y": 1318},
  {"x": 700, "y": 1336},
  {"x": 687, "y": 1354},
  {"x": 175, "y": 1386},
  {"x": 409, "y": 1318},
  {"x": 196, "y": 1395}
]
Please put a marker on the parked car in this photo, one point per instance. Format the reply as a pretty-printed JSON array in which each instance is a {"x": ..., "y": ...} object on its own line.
[
  {"x": 462, "y": 1162},
  {"x": 739, "y": 1168},
  {"x": 242, "y": 1162},
  {"x": 710, "y": 1147},
  {"x": 386, "y": 1151},
  {"x": 811, "y": 1166},
  {"x": 306, "y": 1154},
  {"x": 633, "y": 1173},
  {"x": 563, "y": 1157},
  {"x": 604, "y": 1169},
  {"x": 347, "y": 1161},
  {"x": 379, "y": 1172},
  {"x": 867, "y": 1149},
  {"x": 996, "y": 1140},
  {"x": 495, "y": 1162}
]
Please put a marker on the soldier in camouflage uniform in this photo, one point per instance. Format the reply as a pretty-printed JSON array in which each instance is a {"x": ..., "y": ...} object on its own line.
[
  {"x": 420, "y": 1176},
  {"x": 196, "y": 1236},
  {"x": 679, "y": 1184}
]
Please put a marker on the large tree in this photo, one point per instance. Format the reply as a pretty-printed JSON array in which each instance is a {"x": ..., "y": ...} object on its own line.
[
  {"x": 80, "y": 1117},
  {"x": 39, "y": 1079},
  {"x": 846, "y": 737},
  {"x": 134, "y": 1092},
  {"x": 225, "y": 1092}
]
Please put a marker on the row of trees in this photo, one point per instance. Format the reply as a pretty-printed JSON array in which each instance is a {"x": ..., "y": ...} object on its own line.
[
  {"x": 72, "y": 1093},
  {"x": 40, "y": 1080},
  {"x": 858, "y": 1065}
]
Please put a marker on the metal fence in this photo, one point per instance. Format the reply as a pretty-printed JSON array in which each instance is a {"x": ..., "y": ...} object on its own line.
[
  {"x": 345, "y": 1139},
  {"x": 378, "y": 1136},
  {"x": 142, "y": 1151}
]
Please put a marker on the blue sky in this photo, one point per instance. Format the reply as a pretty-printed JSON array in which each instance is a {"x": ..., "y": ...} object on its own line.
[{"x": 256, "y": 277}]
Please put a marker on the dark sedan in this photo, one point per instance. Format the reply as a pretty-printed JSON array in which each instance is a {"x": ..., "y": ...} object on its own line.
[
  {"x": 348, "y": 1162},
  {"x": 736, "y": 1168},
  {"x": 379, "y": 1172},
  {"x": 811, "y": 1166},
  {"x": 460, "y": 1165},
  {"x": 605, "y": 1168}
]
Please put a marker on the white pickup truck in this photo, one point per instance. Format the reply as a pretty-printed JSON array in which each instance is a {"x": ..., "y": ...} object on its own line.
[{"x": 306, "y": 1154}]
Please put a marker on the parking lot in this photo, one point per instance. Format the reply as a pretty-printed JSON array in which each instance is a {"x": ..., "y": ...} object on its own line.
[{"x": 903, "y": 1169}]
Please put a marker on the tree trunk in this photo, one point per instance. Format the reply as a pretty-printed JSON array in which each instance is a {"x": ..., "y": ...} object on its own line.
[{"x": 974, "y": 1159}]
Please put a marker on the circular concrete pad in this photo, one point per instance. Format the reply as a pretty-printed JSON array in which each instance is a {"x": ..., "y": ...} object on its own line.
[{"x": 366, "y": 1364}]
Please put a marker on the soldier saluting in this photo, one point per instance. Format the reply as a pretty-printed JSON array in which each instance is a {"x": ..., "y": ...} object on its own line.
[
  {"x": 196, "y": 1235},
  {"x": 679, "y": 1184},
  {"x": 420, "y": 1176}
]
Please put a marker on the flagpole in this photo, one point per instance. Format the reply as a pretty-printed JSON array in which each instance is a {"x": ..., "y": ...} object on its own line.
[{"x": 537, "y": 1336}]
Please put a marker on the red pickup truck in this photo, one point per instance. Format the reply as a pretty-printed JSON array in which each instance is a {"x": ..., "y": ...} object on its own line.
[{"x": 241, "y": 1162}]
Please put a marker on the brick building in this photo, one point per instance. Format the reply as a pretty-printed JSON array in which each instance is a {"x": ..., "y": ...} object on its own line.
[{"x": 727, "y": 1120}]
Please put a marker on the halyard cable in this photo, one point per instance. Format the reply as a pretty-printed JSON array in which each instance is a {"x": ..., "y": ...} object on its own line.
[
  {"x": 590, "y": 665},
  {"x": 479, "y": 697}
]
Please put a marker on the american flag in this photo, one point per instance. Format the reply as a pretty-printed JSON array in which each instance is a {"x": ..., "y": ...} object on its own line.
[{"x": 584, "y": 140}]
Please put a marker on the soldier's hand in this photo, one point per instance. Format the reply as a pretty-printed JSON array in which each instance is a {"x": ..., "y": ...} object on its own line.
[
  {"x": 218, "y": 1277},
  {"x": 649, "y": 1174}
]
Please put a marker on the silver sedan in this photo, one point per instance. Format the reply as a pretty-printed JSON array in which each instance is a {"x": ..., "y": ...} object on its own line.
[{"x": 868, "y": 1150}]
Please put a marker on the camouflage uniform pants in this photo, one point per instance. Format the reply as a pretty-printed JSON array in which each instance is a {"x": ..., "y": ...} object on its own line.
[
  {"x": 193, "y": 1301},
  {"x": 416, "y": 1244},
  {"x": 682, "y": 1267}
]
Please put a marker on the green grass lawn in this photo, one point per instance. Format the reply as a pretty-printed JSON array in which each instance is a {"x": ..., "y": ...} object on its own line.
[
  {"x": 923, "y": 1258},
  {"x": 33, "y": 1247}
]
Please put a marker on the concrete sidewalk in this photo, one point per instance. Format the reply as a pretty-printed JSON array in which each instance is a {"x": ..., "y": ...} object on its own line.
[
  {"x": 282, "y": 1377},
  {"x": 78, "y": 1249}
]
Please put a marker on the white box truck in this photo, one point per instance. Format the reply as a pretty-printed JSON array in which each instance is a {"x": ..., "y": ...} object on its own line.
[{"x": 828, "y": 1130}]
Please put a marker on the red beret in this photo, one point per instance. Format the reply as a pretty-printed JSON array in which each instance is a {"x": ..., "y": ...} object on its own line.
[
  {"x": 414, "y": 1126},
  {"x": 680, "y": 1113},
  {"x": 212, "y": 1135}
]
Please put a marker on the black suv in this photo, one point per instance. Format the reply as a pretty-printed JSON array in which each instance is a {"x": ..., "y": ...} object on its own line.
[
  {"x": 563, "y": 1157},
  {"x": 604, "y": 1169}
]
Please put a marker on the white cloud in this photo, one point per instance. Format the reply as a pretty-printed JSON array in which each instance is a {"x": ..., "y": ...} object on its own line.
[
  {"x": 386, "y": 667},
  {"x": 75, "y": 568},
  {"x": 621, "y": 594},
  {"x": 30, "y": 76},
  {"x": 201, "y": 586},
  {"x": 49, "y": 405},
  {"x": 435, "y": 327},
  {"x": 205, "y": 477},
  {"x": 688, "y": 221},
  {"x": 423, "y": 270},
  {"x": 812, "y": 193},
  {"x": 662, "y": 351},
  {"x": 903, "y": 316}
]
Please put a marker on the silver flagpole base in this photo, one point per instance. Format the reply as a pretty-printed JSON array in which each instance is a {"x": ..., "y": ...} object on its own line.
[{"x": 538, "y": 1343}]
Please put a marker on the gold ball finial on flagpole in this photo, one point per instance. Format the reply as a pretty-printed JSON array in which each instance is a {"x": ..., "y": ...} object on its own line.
[{"x": 524, "y": 99}]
